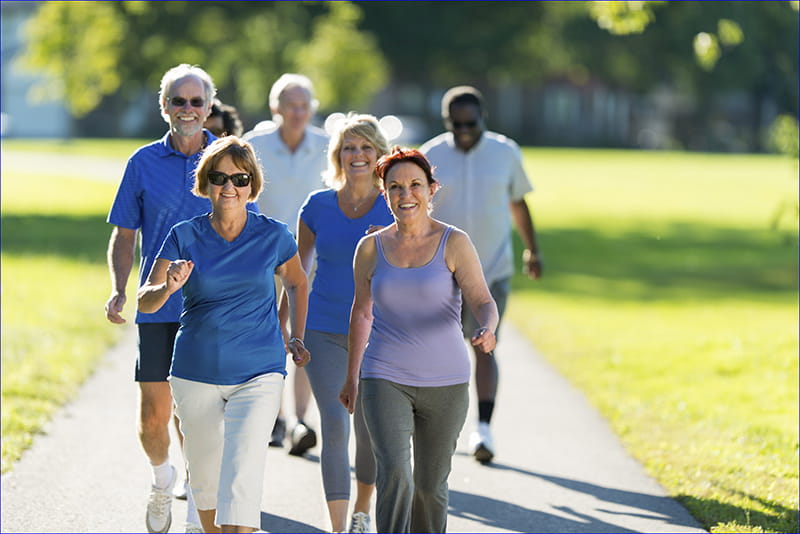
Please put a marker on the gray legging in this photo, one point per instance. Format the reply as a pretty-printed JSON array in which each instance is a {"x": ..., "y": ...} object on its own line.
[
  {"x": 326, "y": 373},
  {"x": 431, "y": 416}
]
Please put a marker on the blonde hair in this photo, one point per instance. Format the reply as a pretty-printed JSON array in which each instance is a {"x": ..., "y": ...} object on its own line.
[
  {"x": 354, "y": 125},
  {"x": 242, "y": 155}
]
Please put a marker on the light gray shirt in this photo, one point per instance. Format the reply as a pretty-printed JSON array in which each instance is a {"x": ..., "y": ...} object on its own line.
[
  {"x": 288, "y": 176},
  {"x": 477, "y": 189}
]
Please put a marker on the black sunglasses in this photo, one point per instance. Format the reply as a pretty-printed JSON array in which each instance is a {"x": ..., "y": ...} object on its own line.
[
  {"x": 467, "y": 124},
  {"x": 179, "y": 101},
  {"x": 240, "y": 179}
]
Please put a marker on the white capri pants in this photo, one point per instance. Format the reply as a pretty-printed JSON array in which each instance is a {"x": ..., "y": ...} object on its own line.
[{"x": 225, "y": 430}]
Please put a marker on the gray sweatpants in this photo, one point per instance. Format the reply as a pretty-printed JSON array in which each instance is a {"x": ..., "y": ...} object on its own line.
[
  {"x": 433, "y": 418},
  {"x": 326, "y": 373}
]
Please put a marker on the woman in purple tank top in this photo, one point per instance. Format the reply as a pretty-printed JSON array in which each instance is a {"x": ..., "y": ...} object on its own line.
[{"x": 406, "y": 350}]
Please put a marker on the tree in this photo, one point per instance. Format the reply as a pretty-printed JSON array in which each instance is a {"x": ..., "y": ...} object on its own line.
[{"x": 92, "y": 50}]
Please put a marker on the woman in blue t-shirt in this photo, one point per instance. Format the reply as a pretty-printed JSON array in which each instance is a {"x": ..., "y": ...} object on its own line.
[
  {"x": 331, "y": 222},
  {"x": 229, "y": 359}
]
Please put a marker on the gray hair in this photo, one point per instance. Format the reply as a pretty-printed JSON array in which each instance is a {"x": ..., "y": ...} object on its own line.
[
  {"x": 184, "y": 70},
  {"x": 290, "y": 80}
]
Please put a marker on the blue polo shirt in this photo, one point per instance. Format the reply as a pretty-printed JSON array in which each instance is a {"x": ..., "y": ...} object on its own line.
[
  {"x": 154, "y": 195},
  {"x": 229, "y": 330}
]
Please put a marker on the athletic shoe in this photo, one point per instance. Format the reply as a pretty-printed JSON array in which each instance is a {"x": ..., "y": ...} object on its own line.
[
  {"x": 159, "y": 507},
  {"x": 191, "y": 527},
  {"x": 303, "y": 438},
  {"x": 181, "y": 490},
  {"x": 278, "y": 433},
  {"x": 359, "y": 522},
  {"x": 481, "y": 443}
]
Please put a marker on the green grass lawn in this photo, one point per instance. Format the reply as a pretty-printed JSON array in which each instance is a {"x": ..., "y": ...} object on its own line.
[
  {"x": 667, "y": 299},
  {"x": 55, "y": 283},
  {"x": 671, "y": 303}
]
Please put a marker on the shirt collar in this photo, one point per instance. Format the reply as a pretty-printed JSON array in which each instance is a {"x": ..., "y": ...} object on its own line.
[{"x": 167, "y": 150}]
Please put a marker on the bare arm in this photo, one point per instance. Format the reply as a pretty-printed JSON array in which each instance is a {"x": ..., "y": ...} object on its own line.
[
  {"x": 531, "y": 262},
  {"x": 462, "y": 259},
  {"x": 305, "y": 249},
  {"x": 295, "y": 286},
  {"x": 360, "y": 319},
  {"x": 120, "y": 256},
  {"x": 166, "y": 277}
]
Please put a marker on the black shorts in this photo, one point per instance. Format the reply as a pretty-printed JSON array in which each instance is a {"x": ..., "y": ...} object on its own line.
[
  {"x": 499, "y": 290},
  {"x": 156, "y": 343}
]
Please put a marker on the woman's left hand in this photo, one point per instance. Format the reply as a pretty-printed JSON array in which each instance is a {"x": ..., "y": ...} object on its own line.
[
  {"x": 300, "y": 354},
  {"x": 484, "y": 339}
]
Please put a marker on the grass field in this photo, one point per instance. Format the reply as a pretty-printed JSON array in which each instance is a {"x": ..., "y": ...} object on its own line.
[
  {"x": 667, "y": 299},
  {"x": 55, "y": 283}
]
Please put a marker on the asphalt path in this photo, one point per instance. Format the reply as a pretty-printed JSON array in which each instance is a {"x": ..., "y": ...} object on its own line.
[{"x": 558, "y": 466}]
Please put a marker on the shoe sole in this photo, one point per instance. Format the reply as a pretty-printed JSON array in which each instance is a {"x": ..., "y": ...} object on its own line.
[
  {"x": 308, "y": 440},
  {"x": 483, "y": 455}
]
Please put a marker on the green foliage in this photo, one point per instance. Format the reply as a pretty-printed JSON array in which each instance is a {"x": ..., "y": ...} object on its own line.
[
  {"x": 622, "y": 18},
  {"x": 338, "y": 51},
  {"x": 668, "y": 301},
  {"x": 78, "y": 45},
  {"x": 94, "y": 49},
  {"x": 783, "y": 136}
]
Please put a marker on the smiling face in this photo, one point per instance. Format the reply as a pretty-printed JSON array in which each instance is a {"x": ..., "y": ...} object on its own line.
[
  {"x": 358, "y": 157},
  {"x": 185, "y": 118},
  {"x": 466, "y": 123},
  {"x": 227, "y": 196},
  {"x": 408, "y": 192}
]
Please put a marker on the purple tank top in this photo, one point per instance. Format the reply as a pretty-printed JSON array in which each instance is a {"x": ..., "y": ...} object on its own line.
[{"x": 416, "y": 337}]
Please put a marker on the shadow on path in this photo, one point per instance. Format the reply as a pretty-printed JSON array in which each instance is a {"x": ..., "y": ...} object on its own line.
[{"x": 511, "y": 517}]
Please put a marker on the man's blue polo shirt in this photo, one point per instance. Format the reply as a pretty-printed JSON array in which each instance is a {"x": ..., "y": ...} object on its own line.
[{"x": 154, "y": 195}]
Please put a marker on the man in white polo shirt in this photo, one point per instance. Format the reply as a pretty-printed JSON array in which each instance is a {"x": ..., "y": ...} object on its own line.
[
  {"x": 483, "y": 189},
  {"x": 292, "y": 153}
]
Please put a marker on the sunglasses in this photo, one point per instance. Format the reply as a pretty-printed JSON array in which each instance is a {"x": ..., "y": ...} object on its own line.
[
  {"x": 241, "y": 179},
  {"x": 179, "y": 101},
  {"x": 467, "y": 124}
]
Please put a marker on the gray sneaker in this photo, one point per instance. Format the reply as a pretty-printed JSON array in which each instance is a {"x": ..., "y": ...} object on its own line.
[
  {"x": 359, "y": 522},
  {"x": 159, "y": 507}
]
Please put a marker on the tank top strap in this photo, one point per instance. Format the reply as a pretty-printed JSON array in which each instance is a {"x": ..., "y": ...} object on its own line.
[
  {"x": 379, "y": 246},
  {"x": 443, "y": 243}
]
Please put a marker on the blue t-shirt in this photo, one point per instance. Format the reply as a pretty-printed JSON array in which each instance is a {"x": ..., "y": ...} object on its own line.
[
  {"x": 337, "y": 235},
  {"x": 155, "y": 194},
  {"x": 229, "y": 326}
]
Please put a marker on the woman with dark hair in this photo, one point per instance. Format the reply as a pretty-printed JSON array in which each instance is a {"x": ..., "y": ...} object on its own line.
[{"x": 406, "y": 348}]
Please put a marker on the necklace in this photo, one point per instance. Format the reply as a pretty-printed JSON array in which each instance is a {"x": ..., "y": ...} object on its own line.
[{"x": 363, "y": 201}]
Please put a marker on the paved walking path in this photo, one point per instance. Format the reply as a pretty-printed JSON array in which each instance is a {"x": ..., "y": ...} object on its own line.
[{"x": 558, "y": 466}]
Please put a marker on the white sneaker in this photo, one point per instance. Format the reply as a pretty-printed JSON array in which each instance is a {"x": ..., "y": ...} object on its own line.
[
  {"x": 359, "y": 523},
  {"x": 481, "y": 443},
  {"x": 191, "y": 527},
  {"x": 159, "y": 508}
]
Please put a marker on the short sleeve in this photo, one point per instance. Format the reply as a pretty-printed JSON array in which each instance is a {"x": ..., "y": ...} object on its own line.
[
  {"x": 169, "y": 249},
  {"x": 520, "y": 184},
  {"x": 287, "y": 246},
  {"x": 126, "y": 211},
  {"x": 306, "y": 213}
]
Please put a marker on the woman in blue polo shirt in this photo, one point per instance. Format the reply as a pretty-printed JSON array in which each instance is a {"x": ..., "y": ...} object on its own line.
[{"x": 229, "y": 360}]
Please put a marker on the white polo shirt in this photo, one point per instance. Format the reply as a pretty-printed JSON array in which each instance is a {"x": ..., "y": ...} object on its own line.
[
  {"x": 477, "y": 188},
  {"x": 289, "y": 176}
]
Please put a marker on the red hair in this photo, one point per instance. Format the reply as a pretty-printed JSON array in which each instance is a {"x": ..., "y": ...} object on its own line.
[{"x": 401, "y": 154}]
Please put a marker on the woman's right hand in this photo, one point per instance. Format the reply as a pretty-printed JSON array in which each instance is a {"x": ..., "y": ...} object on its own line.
[
  {"x": 300, "y": 354},
  {"x": 178, "y": 273},
  {"x": 348, "y": 395}
]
